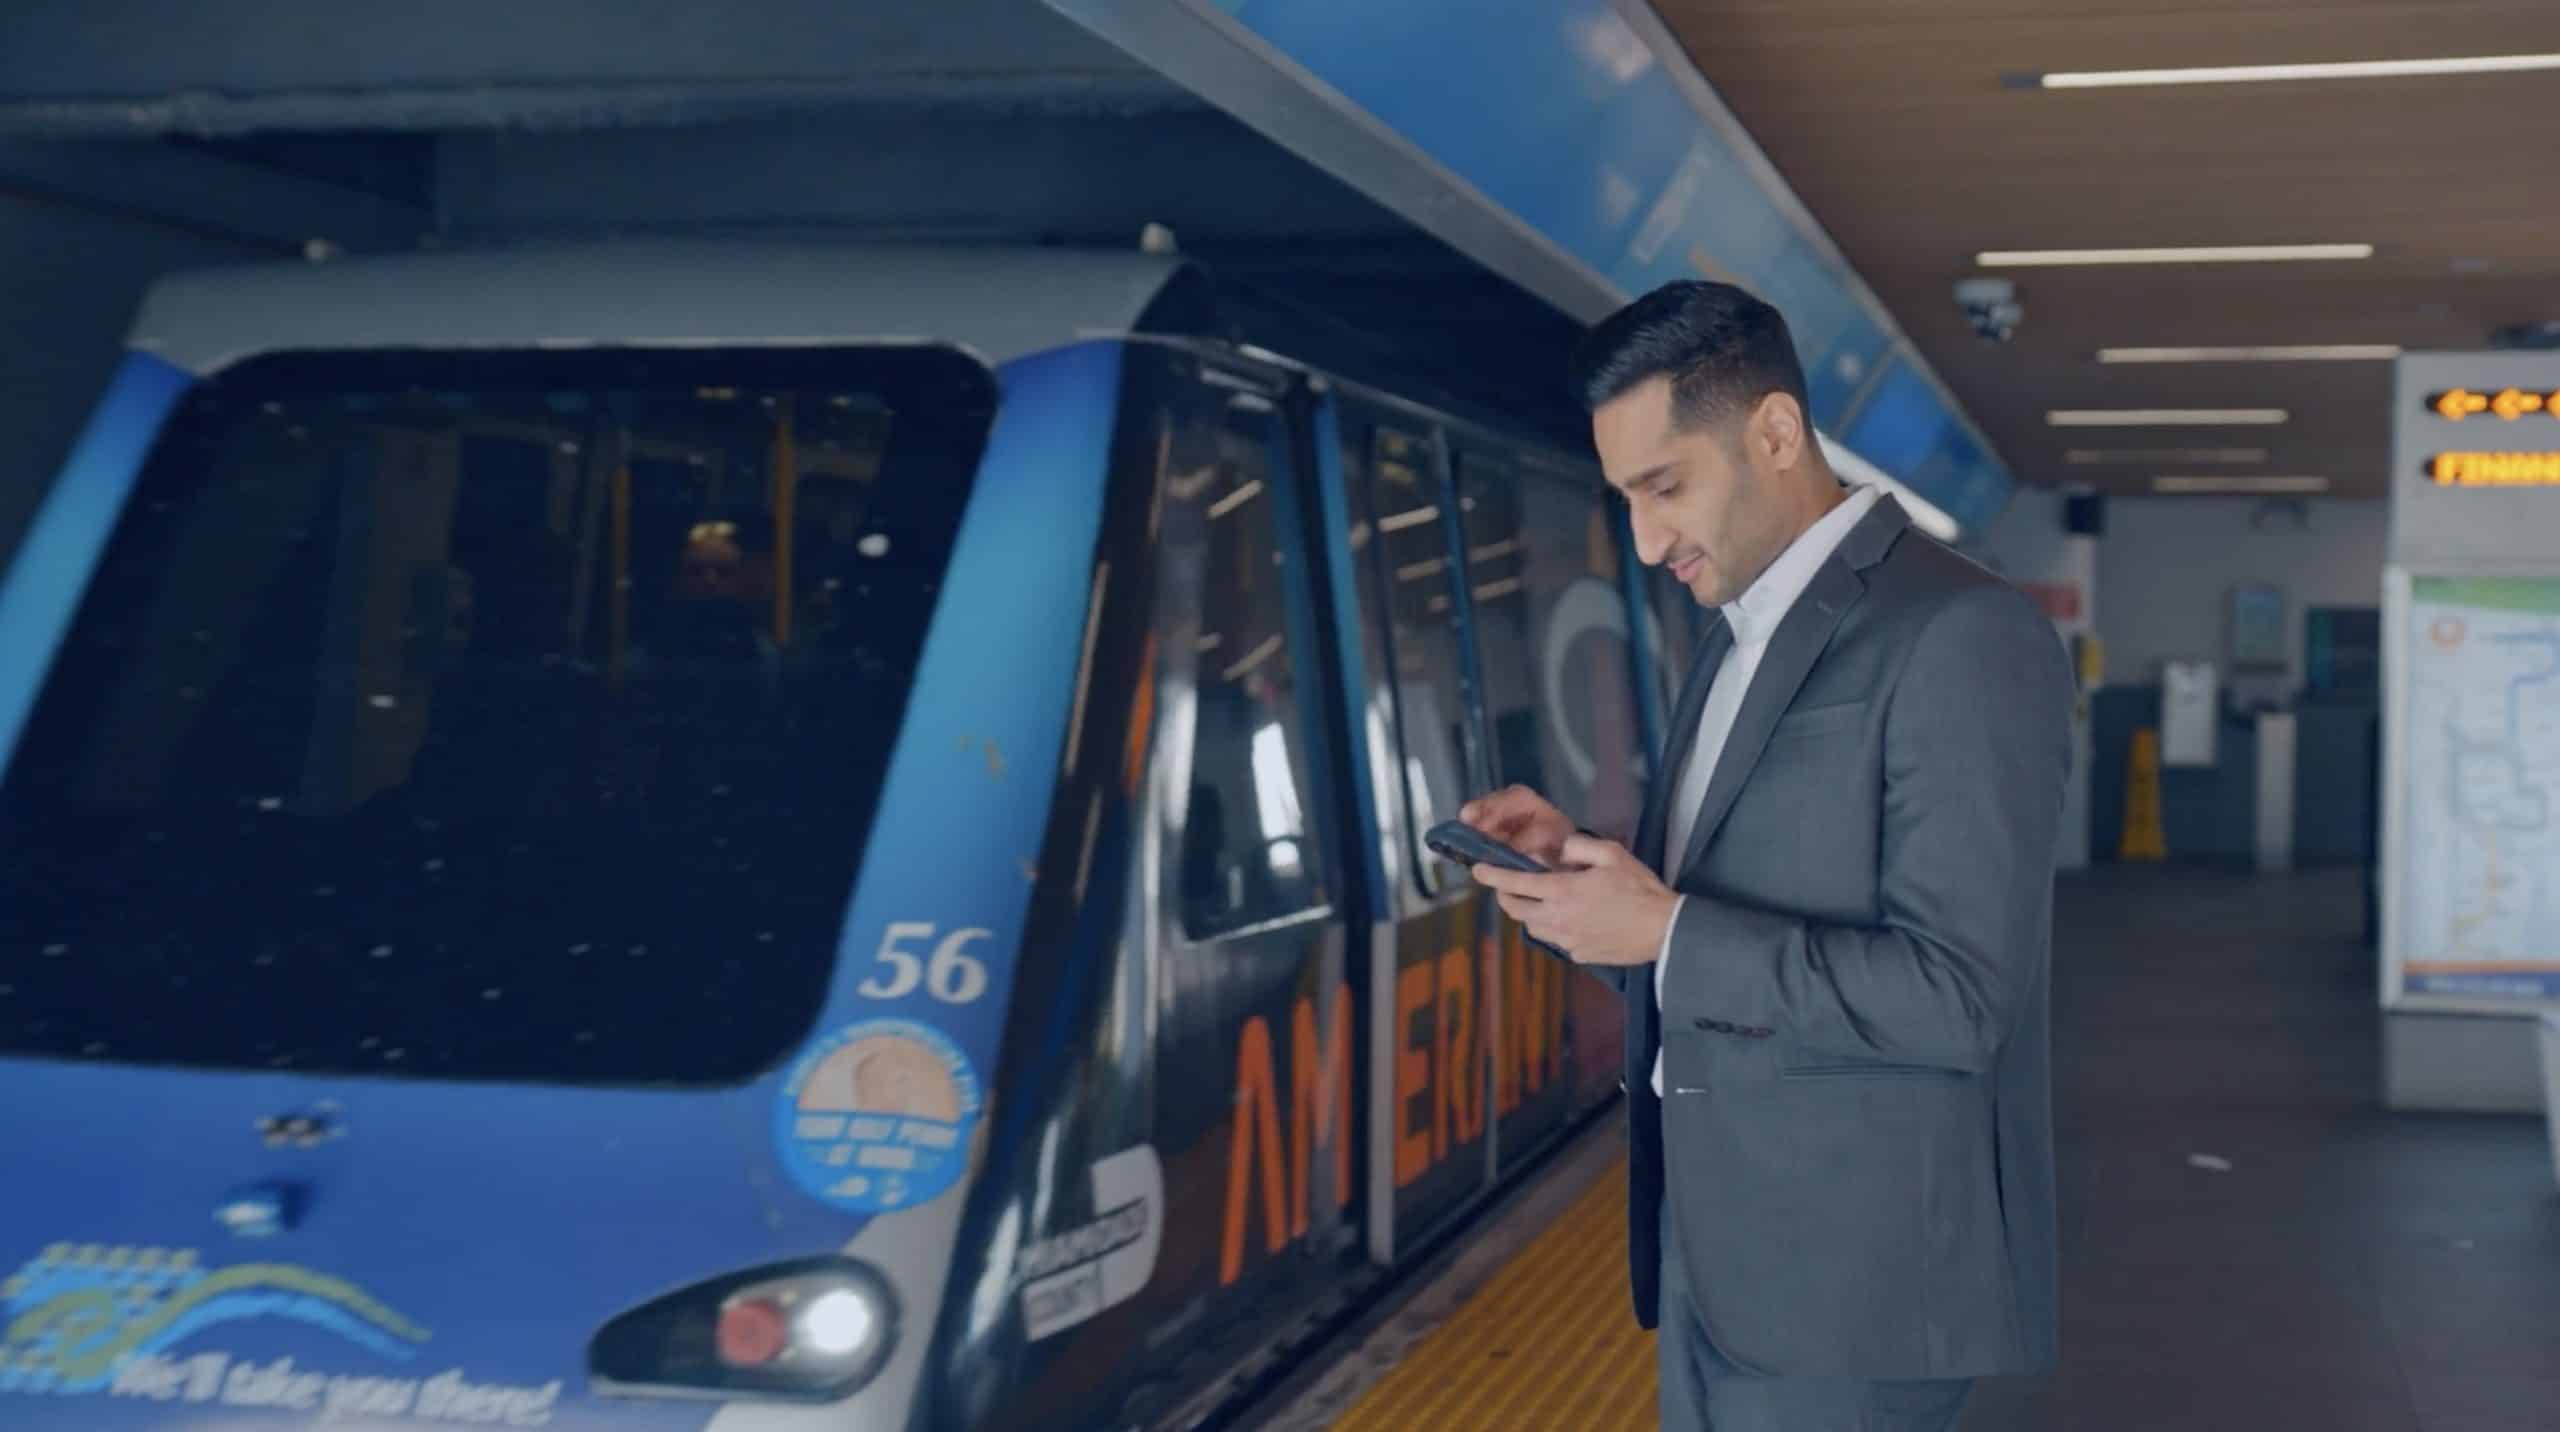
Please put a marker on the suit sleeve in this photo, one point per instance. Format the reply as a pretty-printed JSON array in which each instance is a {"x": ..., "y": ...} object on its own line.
[{"x": 1977, "y": 746}]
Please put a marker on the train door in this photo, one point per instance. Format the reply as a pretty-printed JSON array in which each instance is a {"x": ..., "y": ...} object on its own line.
[
  {"x": 1255, "y": 1073},
  {"x": 1549, "y": 616},
  {"x": 1430, "y": 1058}
]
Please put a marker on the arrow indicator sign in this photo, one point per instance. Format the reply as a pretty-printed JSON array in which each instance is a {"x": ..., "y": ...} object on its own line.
[{"x": 2507, "y": 404}]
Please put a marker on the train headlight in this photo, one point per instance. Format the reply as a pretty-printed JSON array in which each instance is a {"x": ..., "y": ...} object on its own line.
[
  {"x": 839, "y": 1323},
  {"x": 817, "y": 1330}
]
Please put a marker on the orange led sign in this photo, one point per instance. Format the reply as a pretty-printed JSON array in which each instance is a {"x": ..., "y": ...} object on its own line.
[
  {"x": 2495, "y": 469},
  {"x": 2507, "y": 403}
]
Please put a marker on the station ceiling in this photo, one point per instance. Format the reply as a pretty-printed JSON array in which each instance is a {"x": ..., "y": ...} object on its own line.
[
  {"x": 921, "y": 121},
  {"x": 1902, "y": 129}
]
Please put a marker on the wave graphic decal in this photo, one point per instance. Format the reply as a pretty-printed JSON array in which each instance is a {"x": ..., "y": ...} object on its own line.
[{"x": 75, "y": 1316}]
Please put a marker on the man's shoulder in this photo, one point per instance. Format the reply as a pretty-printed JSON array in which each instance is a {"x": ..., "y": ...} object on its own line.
[{"x": 1921, "y": 577}]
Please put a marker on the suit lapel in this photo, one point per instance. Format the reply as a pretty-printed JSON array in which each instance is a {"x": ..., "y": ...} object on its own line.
[
  {"x": 1793, "y": 649},
  {"x": 1652, "y": 832}
]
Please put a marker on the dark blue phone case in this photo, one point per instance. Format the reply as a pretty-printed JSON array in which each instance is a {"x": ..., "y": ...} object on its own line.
[{"x": 1469, "y": 846}]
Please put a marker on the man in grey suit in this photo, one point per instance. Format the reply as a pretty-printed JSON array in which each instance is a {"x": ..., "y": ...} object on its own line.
[{"x": 1834, "y": 932}]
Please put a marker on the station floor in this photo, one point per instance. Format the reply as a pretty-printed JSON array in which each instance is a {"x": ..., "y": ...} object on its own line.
[{"x": 2349, "y": 1269}]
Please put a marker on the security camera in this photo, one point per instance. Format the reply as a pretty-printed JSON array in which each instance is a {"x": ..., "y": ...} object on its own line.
[{"x": 1991, "y": 306}]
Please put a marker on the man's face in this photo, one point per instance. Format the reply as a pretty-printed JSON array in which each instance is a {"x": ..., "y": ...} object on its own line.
[{"x": 1706, "y": 501}]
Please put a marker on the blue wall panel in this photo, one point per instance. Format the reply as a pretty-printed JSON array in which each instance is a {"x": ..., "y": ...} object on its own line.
[{"x": 1558, "y": 113}]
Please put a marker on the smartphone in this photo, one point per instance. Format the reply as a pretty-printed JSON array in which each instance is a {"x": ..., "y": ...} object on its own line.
[{"x": 1467, "y": 845}]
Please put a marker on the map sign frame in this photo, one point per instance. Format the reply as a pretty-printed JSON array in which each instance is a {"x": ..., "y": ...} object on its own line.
[{"x": 2471, "y": 790}]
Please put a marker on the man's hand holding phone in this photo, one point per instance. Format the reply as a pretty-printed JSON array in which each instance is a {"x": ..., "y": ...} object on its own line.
[
  {"x": 1598, "y": 906},
  {"x": 1524, "y": 820}
]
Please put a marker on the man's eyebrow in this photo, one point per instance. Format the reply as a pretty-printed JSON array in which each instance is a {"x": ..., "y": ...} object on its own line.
[{"x": 1648, "y": 475}]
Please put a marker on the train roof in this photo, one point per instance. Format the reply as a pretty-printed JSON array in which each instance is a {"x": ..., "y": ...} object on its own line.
[{"x": 997, "y": 303}]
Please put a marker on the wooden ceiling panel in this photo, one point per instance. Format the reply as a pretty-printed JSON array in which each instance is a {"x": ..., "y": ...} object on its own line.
[{"x": 1894, "y": 124}]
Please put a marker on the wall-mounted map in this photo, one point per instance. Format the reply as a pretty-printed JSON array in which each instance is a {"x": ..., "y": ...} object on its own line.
[{"x": 2480, "y": 864}]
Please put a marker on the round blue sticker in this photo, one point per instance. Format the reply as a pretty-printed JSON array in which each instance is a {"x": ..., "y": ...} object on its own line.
[{"x": 877, "y": 1116}]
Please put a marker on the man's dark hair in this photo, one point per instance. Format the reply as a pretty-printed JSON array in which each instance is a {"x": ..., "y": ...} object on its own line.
[{"x": 1722, "y": 349}]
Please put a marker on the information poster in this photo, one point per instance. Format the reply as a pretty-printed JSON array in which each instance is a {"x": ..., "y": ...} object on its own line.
[
  {"x": 2190, "y": 708},
  {"x": 2479, "y": 742},
  {"x": 2257, "y": 628}
]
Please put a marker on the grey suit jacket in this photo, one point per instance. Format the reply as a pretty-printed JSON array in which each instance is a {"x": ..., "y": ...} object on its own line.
[{"x": 1855, "y": 1131}]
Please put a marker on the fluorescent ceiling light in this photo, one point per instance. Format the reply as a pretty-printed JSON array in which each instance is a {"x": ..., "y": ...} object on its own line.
[
  {"x": 2278, "y": 353},
  {"x": 1238, "y": 498},
  {"x": 1928, "y": 516},
  {"x": 2239, "y": 484},
  {"x": 2160, "y": 457},
  {"x": 2204, "y": 254},
  {"x": 2269, "y": 74},
  {"x": 2166, "y": 417}
]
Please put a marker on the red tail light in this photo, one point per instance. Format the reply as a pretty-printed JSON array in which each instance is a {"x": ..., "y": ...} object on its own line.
[{"x": 752, "y": 1332}]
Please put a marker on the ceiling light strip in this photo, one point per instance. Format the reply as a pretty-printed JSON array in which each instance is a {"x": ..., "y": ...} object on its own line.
[
  {"x": 2160, "y": 457},
  {"x": 2166, "y": 417},
  {"x": 2264, "y": 353},
  {"x": 2234, "y": 485},
  {"x": 2275, "y": 74},
  {"x": 2190, "y": 254}
]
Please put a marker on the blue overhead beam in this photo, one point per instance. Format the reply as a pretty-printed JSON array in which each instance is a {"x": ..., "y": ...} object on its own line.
[{"x": 1570, "y": 146}]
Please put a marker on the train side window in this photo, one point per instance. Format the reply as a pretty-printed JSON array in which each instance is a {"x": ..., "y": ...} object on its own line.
[
  {"x": 1251, "y": 851},
  {"x": 1489, "y": 506},
  {"x": 1402, "y": 498},
  {"x": 1551, "y": 620}
]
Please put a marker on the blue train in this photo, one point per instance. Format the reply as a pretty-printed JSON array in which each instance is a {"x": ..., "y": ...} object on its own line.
[{"x": 768, "y": 837}]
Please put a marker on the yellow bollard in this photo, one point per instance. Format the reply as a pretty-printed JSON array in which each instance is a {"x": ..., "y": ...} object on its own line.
[{"x": 2143, "y": 839}]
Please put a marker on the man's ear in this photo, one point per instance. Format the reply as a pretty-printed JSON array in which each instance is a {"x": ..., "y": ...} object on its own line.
[{"x": 1777, "y": 431}]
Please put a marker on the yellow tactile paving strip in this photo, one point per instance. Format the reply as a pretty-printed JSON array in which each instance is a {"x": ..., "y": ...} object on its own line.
[{"x": 1549, "y": 1342}]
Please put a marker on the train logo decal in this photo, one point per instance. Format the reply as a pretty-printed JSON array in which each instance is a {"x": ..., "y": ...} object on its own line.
[
  {"x": 79, "y": 1316},
  {"x": 1074, "y": 1276},
  {"x": 1587, "y": 606},
  {"x": 86, "y": 1320},
  {"x": 877, "y": 1116}
]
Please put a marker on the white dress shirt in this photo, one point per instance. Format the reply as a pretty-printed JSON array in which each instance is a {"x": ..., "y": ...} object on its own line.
[{"x": 1753, "y": 618}]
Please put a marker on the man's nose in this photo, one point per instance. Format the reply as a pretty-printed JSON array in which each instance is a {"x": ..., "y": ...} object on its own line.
[{"x": 1653, "y": 540}]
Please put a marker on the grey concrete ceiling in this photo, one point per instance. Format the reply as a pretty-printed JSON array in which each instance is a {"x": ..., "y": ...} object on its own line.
[
  {"x": 225, "y": 67},
  {"x": 952, "y": 121}
]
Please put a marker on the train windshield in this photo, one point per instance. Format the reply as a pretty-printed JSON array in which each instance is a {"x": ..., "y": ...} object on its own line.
[{"x": 492, "y": 716}]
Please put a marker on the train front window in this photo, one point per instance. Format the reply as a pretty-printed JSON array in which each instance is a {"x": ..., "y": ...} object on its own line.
[{"x": 510, "y": 716}]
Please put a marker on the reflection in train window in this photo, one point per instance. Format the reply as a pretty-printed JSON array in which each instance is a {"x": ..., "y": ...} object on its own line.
[
  {"x": 1251, "y": 853},
  {"x": 1551, "y": 628},
  {"x": 1683, "y": 627},
  {"x": 1403, "y": 496},
  {"x": 520, "y": 717},
  {"x": 1490, "y": 513}
]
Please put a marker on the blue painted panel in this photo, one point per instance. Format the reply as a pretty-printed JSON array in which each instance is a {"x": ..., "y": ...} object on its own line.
[
  {"x": 1557, "y": 112},
  {"x": 926, "y": 957},
  {"x": 1835, "y": 378},
  {"x": 1901, "y": 427}
]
